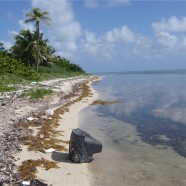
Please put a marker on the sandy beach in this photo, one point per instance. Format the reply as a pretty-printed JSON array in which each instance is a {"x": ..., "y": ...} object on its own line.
[{"x": 67, "y": 173}]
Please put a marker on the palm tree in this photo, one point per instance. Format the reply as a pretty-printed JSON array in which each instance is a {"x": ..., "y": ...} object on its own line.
[
  {"x": 25, "y": 48},
  {"x": 36, "y": 16}
]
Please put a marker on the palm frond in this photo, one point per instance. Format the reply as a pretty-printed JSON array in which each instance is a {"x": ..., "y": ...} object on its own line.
[{"x": 30, "y": 20}]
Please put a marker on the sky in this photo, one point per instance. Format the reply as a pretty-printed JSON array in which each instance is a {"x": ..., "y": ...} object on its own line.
[{"x": 107, "y": 35}]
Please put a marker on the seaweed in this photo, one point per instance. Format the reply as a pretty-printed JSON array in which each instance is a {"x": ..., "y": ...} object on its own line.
[
  {"x": 101, "y": 102},
  {"x": 28, "y": 169},
  {"x": 47, "y": 134}
]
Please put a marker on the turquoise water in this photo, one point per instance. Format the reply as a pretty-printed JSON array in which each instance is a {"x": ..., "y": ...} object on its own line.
[{"x": 144, "y": 135}]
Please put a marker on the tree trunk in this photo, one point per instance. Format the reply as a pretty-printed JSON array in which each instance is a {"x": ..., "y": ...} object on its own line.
[{"x": 38, "y": 47}]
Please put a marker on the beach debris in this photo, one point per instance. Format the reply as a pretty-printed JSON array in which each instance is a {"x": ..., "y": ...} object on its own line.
[
  {"x": 9, "y": 145},
  {"x": 44, "y": 117},
  {"x": 41, "y": 136},
  {"x": 49, "y": 150},
  {"x": 25, "y": 183},
  {"x": 49, "y": 112},
  {"x": 10, "y": 98},
  {"x": 30, "y": 118},
  {"x": 12, "y": 134},
  {"x": 33, "y": 83},
  {"x": 82, "y": 146},
  {"x": 16, "y": 94}
]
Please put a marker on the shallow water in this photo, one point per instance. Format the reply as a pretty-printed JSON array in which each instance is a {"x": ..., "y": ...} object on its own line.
[{"x": 143, "y": 136}]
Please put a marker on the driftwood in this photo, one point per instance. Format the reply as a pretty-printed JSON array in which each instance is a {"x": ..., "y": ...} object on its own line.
[{"x": 12, "y": 99}]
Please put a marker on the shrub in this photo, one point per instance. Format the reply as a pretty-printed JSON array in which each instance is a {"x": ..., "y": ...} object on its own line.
[
  {"x": 37, "y": 94},
  {"x": 9, "y": 65}
]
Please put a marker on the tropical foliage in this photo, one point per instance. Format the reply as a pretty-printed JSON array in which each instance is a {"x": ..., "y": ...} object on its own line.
[
  {"x": 25, "y": 48},
  {"x": 9, "y": 65},
  {"x": 37, "y": 94},
  {"x": 32, "y": 57},
  {"x": 67, "y": 65}
]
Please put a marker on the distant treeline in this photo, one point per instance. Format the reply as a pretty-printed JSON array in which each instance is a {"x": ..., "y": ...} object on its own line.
[{"x": 177, "y": 71}]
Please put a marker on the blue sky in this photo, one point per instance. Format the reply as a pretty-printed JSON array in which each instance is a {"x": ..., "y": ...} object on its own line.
[{"x": 109, "y": 35}]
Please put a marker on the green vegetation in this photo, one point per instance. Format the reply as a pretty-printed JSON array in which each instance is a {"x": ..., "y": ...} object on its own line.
[
  {"x": 32, "y": 58},
  {"x": 37, "y": 94},
  {"x": 6, "y": 89},
  {"x": 12, "y": 66},
  {"x": 8, "y": 82}
]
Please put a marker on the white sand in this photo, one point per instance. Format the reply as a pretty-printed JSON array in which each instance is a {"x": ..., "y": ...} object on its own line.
[{"x": 68, "y": 173}]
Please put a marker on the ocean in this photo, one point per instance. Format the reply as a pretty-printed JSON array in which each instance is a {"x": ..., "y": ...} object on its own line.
[{"x": 143, "y": 130}]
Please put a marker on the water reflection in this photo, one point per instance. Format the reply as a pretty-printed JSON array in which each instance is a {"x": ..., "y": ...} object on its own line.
[{"x": 155, "y": 104}]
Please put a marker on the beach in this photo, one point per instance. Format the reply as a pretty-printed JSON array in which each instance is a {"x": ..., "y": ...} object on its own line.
[
  {"x": 140, "y": 146},
  {"x": 66, "y": 173}
]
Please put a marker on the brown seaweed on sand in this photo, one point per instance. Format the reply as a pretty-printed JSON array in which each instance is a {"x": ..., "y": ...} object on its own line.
[
  {"x": 28, "y": 169},
  {"x": 101, "y": 102}
]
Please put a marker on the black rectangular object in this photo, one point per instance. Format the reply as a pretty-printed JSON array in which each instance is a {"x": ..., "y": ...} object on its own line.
[{"x": 82, "y": 146}]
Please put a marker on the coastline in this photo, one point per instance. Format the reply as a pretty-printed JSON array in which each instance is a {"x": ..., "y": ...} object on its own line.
[{"x": 67, "y": 173}]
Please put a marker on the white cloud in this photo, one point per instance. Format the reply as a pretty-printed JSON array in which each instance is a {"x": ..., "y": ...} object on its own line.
[
  {"x": 91, "y": 38},
  {"x": 91, "y": 4},
  {"x": 104, "y": 46},
  {"x": 105, "y": 3},
  {"x": 91, "y": 43},
  {"x": 173, "y": 24},
  {"x": 12, "y": 32},
  {"x": 65, "y": 30},
  {"x": 26, "y": 26},
  {"x": 114, "y": 3},
  {"x": 161, "y": 45},
  {"x": 70, "y": 47},
  {"x": 97, "y": 46},
  {"x": 120, "y": 34},
  {"x": 167, "y": 40},
  {"x": 7, "y": 44},
  {"x": 184, "y": 41}
]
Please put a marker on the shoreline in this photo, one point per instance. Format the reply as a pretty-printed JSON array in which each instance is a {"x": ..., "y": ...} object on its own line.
[{"x": 68, "y": 173}]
